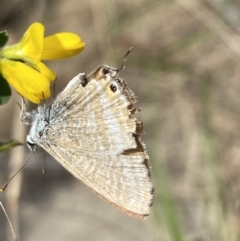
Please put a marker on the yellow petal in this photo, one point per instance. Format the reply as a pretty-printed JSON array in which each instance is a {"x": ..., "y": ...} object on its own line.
[
  {"x": 61, "y": 45},
  {"x": 30, "y": 47},
  {"x": 32, "y": 42},
  {"x": 26, "y": 81},
  {"x": 44, "y": 70}
]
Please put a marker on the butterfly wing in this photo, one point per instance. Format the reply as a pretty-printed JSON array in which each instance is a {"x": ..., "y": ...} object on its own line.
[{"x": 95, "y": 137}]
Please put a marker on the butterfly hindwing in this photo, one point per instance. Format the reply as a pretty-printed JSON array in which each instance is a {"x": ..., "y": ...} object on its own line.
[{"x": 93, "y": 134}]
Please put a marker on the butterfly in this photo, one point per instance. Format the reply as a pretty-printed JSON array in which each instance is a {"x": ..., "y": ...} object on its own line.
[{"x": 90, "y": 129}]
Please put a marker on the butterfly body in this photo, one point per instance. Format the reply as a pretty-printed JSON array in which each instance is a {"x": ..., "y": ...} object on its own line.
[{"x": 91, "y": 131}]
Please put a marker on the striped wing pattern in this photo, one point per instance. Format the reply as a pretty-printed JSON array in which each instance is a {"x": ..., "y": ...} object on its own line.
[{"x": 92, "y": 132}]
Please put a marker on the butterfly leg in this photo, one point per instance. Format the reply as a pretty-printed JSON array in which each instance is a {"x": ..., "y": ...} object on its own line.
[
  {"x": 22, "y": 109},
  {"x": 25, "y": 116}
]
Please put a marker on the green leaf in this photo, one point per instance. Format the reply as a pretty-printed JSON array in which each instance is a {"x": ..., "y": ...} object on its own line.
[
  {"x": 4, "y": 146},
  {"x": 5, "y": 91},
  {"x": 3, "y": 38}
]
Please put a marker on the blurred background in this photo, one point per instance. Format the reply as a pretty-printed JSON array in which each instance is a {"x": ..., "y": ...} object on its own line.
[{"x": 185, "y": 70}]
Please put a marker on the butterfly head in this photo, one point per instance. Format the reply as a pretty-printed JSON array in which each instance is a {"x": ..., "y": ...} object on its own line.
[
  {"x": 37, "y": 129},
  {"x": 32, "y": 145}
]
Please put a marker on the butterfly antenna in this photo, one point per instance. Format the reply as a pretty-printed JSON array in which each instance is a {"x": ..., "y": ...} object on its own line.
[
  {"x": 44, "y": 170},
  {"x": 24, "y": 164},
  {"x": 124, "y": 60}
]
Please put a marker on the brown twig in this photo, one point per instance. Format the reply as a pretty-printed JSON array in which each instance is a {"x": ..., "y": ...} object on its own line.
[{"x": 9, "y": 222}]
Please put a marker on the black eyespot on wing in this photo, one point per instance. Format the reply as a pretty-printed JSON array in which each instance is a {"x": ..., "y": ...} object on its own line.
[
  {"x": 105, "y": 71},
  {"x": 83, "y": 80},
  {"x": 119, "y": 81},
  {"x": 113, "y": 88}
]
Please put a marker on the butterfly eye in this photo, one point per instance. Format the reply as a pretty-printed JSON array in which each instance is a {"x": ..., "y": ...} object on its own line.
[
  {"x": 40, "y": 133},
  {"x": 113, "y": 88},
  {"x": 31, "y": 143}
]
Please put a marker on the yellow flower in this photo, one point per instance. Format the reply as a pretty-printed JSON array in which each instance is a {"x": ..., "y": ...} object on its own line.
[
  {"x": 61, "y": 45},
  {"x": 21, "y": 65},
  {"x": 28, "y": 82}
]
